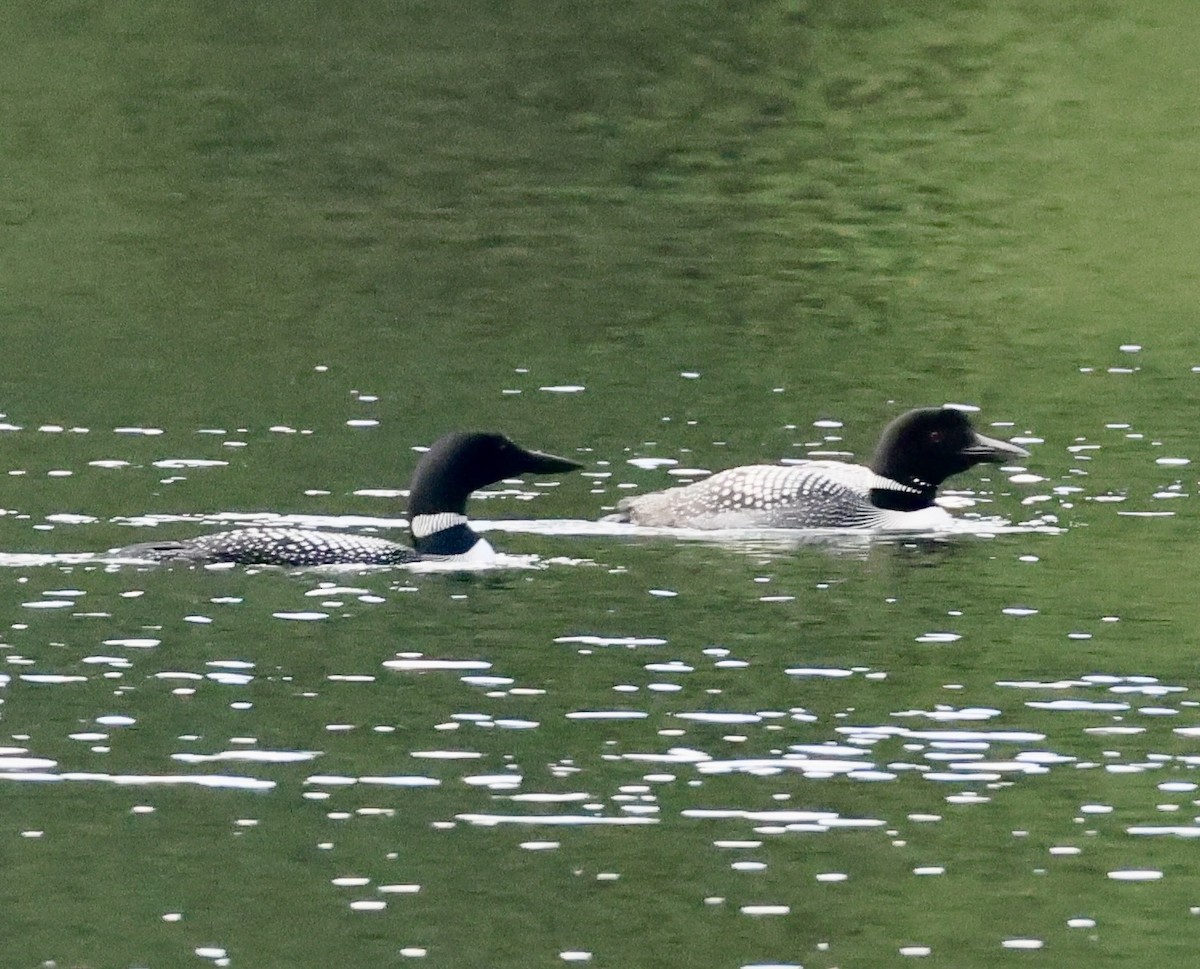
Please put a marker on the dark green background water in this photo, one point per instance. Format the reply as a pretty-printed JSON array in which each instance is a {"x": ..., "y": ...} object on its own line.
[{"x": 260, "y": 219}]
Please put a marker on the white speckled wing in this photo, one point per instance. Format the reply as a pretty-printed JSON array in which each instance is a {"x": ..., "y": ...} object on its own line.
[{"x": 812, "y": 494}]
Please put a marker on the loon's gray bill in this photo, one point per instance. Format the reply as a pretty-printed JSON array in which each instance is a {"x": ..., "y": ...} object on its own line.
[
  {"x": 542, "y": 463},
  {"x": 985, "y": 448}
]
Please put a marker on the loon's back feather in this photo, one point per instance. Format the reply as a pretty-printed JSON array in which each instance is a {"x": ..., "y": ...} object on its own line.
[
  {"x": 275, "y": 546},
  {"x": 811, "y": 494}
]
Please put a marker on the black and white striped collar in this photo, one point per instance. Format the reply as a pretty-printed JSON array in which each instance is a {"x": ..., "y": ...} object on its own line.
[
  {"x": 891, "y": 484},
  {"x": 442, "y": 533},
  {"x": 422, "y": 526}
]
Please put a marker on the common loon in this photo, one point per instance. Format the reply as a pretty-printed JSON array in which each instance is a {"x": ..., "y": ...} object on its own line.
[
  {"x": 916, "y": 453},
  {"x": 447, "y": 473}
]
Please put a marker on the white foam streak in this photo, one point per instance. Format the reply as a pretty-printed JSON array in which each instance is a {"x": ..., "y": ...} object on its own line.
[{"x": 491, "y": 820}]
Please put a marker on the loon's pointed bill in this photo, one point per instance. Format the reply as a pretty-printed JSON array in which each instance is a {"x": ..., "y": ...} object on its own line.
[
  {"x": 916, "y": 453},
  {"x": 447, "y": 473},
  {"x": 542, "y": 463},
  {"x": 993, "y": 450}
]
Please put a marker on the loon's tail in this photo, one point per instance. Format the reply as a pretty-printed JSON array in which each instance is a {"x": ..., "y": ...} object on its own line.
[
  {"x": 652, "y": 508},
  {"x": 160, "y": 552},
  {"x": 619, "y": 517}
]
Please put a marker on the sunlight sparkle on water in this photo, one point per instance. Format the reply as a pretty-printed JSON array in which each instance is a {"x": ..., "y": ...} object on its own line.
[
  {"x": 765, "y": 909},
  {"x": 436, "y": 664},
  {"x": 491, "y": 820}
]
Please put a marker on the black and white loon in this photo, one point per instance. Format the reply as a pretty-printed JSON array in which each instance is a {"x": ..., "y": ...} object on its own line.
[
  {"x": 917, "y": 452},
  {"x": 456, "y": 465}
]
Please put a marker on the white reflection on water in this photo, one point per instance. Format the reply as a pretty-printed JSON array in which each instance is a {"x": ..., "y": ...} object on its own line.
[
  {"x": 250, "y": 756},
  {"x": 1136, "y": 875},
  {"x": 1022, "y": 944},
  {"x": 941, "y": 526},
  {"x": 494, "y": 782},
  {"x": 965, "y": 768},
  {"x": 403, "y": 780},
  {"x": 870, "y": 734},
  {"x": 134, "y": 642},
  {"x": 30, "y": 560},
  {"x": 10, "y": 763},
  {"x": 825, "y": 671},
  {"x": 230, "y": 781},
  {"x": 1119, "y": 685},
  {"x": 1073, "y": 705},
  {"x": 613, "y": 640},
  {"x": 771, "y": 965},
  {"x": 50, "y": 678},
  {"x": 765, "y": 909},
  {"x": 568, "y": 820},
  {"x": 608, "y": 715},
  {"x": 946, "y": 713},
  {"x": 676, "y": 755},
  {"x": 853, "y": 541},
  {"x": 409, "y": 662},
  {"x": 176, "y": 463},
  {"x": 720, "y": 717},
  {"x": 765, "y": 766},
  {"x": 793, "y": 820}
]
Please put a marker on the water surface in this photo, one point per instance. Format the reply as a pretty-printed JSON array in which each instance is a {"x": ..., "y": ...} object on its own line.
[{"x": 253, "y": 259}]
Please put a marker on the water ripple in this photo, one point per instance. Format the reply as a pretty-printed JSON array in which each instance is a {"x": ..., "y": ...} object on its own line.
[
  {"x": 230, "y": 781},
  {"x": 567, "y": 820},
  {"x": 251, "y": 756}
]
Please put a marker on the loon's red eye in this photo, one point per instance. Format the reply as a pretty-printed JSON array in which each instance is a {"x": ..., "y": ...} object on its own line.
[{"x": 935, "y": 437}]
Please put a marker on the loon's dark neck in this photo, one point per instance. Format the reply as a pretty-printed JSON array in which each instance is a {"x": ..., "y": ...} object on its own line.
[
  {"x": 437, "y": 512},
  {"x": 443, "y": 481},
  {"x": 427, "y": 499}
]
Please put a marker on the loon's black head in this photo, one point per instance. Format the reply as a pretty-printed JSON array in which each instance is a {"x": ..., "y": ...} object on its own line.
[
  {"x": 923, "y": 448},
  {"x": 450, "y": 470}
]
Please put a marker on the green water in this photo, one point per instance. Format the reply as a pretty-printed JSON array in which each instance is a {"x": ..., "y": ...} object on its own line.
[{"x": 231, "y": 233}]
